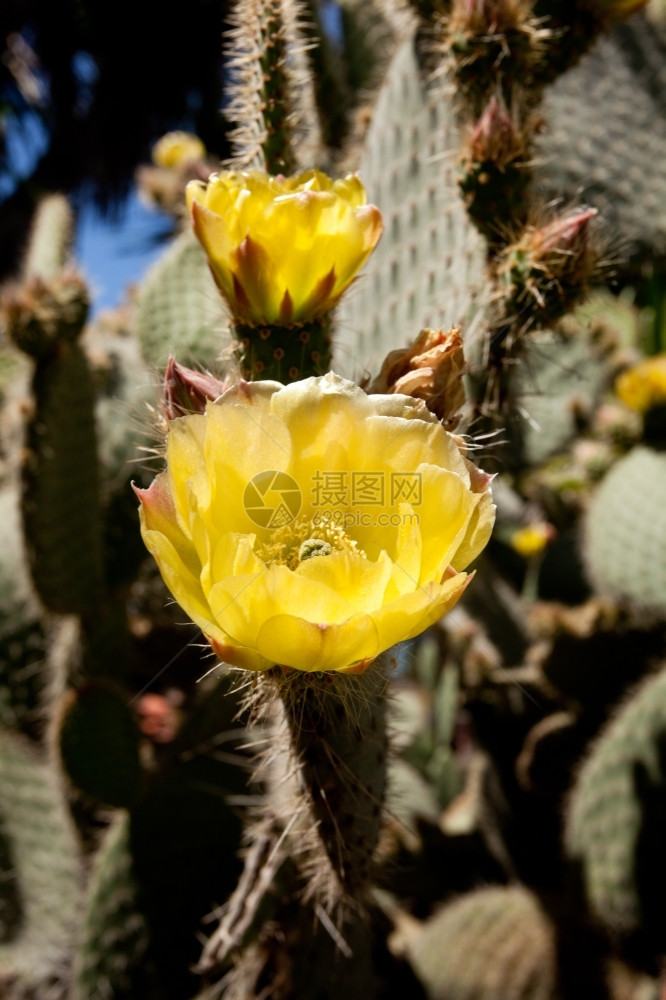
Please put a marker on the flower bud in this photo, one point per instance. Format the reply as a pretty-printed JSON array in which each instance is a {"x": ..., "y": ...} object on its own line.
[
  {"x": 566, "y": 236},
  {"x": 495, "y": 137},
  {"x": 548, "y": 268},
  {"x": 188, "y": 391}
]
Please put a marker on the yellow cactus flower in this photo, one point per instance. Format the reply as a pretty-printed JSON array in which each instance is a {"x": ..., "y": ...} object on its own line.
[
  {"x": 176, "y": 148},
  {"x": 283, "y": 249},
  {"x": 644, "y": 385},
  {"x": 533, "y": 539},
  {"x": 314, "y": 526}
]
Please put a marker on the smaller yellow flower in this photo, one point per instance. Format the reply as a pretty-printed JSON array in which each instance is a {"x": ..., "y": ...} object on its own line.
[
  {"x": 283, "y": 249},
  {"x": 644, "y": 385},
  {"x": 533, "y": 539},
  {"x": 177, "y": 148}
]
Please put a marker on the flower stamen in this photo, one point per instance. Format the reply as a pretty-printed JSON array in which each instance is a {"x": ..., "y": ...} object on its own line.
[{"x": 302, "y": 539}]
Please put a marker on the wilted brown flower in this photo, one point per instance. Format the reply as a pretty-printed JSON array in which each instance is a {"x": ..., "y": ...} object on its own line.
[{"x": 430, "y": 369}]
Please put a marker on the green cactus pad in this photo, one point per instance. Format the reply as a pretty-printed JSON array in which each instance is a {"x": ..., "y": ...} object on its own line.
[
  {"x": 111, "y": 957},
  {"x": 99, "y": 744},
  {"x": 493, "y": 944},
  {"x": 625, "y": 531},
  {"x": 616, "y": 825},
  {"x": 409, "y": 796},
  {"x": 61, "y": 492},
  {"x": 429, "y": 267},
  {"x": 23, "y": 677},
  {"x": 185, "y": 840},
  {"x": 284, "y": 353},
  {"x": 559, "y": 378},
  {"x": 179, "y": 310},
  {"x": 46, "y": 865},
  {"x": 124, "y": 412},
  {"x": 125, "y": 389},
  {"x": 50, "y": 239},
  {"x": 23, "y": 635},
  {"x": 606, "y": 137}
]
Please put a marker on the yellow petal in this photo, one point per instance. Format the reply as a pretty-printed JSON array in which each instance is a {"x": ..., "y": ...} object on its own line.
[{"x": 294, "y": 642}]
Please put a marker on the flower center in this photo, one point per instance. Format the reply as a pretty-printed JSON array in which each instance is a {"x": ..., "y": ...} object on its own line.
[{"x": 302, "y": 539}]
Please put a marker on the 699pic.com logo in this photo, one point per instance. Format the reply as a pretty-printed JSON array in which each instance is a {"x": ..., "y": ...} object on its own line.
[{"x": 272, "y": 499}]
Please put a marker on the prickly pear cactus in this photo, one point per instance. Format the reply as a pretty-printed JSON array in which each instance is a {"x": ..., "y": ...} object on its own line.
[
  {"x": 625, "y": 531},
  {"x": 607, "y": 135},
  {"x": 318, "y": 840},
  {"x": 491, "y": 944},
  {"x": 44, "y": 859},
  {"x": 616, "y": 818},
  {"x": 563, "y": 378},
  {"x": 111, "y": 951},
  {"x": 179, "y": 311},
  {"x": 429, "y": 267}
]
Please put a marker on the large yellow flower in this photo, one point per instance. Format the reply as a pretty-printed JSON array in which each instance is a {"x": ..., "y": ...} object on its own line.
[
  {"x": 313, "y": 526},
  {"x": 283, "y": 249}
]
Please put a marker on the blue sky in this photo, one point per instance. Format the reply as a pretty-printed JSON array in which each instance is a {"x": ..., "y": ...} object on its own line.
[
  {"x": 113, "y": 251},
  {"x": 116, "y": 252}
]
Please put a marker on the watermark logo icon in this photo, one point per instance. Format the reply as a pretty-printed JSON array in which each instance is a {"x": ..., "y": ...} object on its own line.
[{"x": 272, "y": 499}]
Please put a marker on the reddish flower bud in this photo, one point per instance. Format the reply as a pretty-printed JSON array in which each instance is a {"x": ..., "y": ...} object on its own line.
[
  {"x": 566, "y": 235},
  {"x": 495, "y": 137},
  {"x": 187, "y": 391}
]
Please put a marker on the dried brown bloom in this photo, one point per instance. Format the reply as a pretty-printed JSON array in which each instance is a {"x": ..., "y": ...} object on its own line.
[{"x": 430, "y": 369}]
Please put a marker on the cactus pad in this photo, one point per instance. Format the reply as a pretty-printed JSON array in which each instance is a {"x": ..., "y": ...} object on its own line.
[
  {"x": 428, "y": 270},
  {"x": 493, "y": 944},
  {"x": 179, "y": 309},
  {"x": 625, "y": 533},
  {"x": 615, "y": 827}
]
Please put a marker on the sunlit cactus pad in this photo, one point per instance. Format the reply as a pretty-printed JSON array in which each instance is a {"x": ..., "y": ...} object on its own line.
[
  {"x": 606, "y": 136},
  {"x": 179, "y": 309},
  {"x": 429, "y": 267}
]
